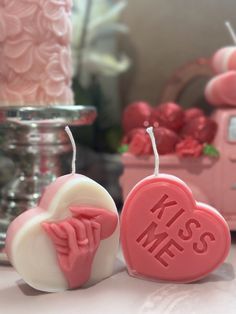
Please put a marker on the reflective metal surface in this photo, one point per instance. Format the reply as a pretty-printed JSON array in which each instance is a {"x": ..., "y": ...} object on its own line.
[
  {"x": 56, "y": 115},
  {"x": 36, "y": 140}
]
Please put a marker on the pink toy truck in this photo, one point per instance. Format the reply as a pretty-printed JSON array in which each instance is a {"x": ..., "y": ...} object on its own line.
[{"x": 212, "y": 180}]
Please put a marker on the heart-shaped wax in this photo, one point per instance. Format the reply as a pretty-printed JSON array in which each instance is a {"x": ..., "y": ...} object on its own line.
[
  {"x": 166, "y": 234},
  {"x": 69, "y": 240}
]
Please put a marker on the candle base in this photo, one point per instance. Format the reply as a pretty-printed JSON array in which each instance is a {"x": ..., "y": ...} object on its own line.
[{"x": 35, "y": 138}]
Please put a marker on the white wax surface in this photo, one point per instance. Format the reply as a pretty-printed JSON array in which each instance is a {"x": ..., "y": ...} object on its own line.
[{"x": 33, "y": 254}]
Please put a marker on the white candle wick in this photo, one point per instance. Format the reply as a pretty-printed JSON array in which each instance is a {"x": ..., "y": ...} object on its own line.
[
  {"x": 73, "y": 165},
  {"x": 231, "y": 31},
  {"x": 154, "y": 147}
]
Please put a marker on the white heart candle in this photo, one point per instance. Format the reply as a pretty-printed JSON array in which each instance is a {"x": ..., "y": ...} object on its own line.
[
  {"x": 70, "y": 239},
  {"x": 35, "y": 67}
]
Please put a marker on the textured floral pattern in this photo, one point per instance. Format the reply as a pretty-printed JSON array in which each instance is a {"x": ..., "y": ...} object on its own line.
[
  {"x": 189, "y": 147},
  {"x": 35, "y": 56}
]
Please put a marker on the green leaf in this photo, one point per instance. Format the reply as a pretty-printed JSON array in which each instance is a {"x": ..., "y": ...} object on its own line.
[
  {"x": 210, "y": 150},
  {"x": 123, "y": 149},
  {"x": 112, "y": 137}
]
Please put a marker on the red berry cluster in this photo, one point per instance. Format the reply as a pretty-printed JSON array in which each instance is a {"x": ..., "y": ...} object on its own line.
[{"x": 179, "y": 131}]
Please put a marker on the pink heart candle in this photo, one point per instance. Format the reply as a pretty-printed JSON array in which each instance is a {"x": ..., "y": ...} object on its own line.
[
  {"x": 166, "y": 234},
  {"x": 70, "y": 239},
  {"x": 35, "y": 67}
]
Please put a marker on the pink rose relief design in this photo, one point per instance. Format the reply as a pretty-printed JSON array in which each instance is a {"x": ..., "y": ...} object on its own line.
[
  {"x": 189, "y": 147},
  {"x": 77, "y": 239},
  {"x": 10, "y": 23},
  {"x": 35, "y": 52}
]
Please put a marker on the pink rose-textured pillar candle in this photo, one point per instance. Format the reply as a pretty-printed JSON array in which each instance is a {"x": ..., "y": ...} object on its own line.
[{"x": 35, "y": 56}]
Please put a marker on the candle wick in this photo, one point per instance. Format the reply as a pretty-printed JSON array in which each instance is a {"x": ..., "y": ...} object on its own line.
[
  {"x": 73, "y": 163},
  {"x": 231, "y": 31},
  {"x": 154, "y": 147}
]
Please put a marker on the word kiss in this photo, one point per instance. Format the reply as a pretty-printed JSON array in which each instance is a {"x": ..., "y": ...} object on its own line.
[{"x": 151, "y": 239}]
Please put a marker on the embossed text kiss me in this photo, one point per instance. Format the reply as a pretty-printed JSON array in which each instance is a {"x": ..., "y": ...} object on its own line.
[
  {"x": 166, "y": 234},
  {"x": 160, "y": 244}
]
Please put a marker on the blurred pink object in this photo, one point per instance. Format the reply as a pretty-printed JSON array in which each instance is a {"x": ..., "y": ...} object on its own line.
[
  {"x": 136, "y": 115},
  {"x": 202, "y": 129},
  {"x": 129, "y": 136},
  {"x": 139, "y": 141},
  {"x": 224, "y": 60},
  {"x": 221, "y": 89},
  {"x": 35, "y": 54},
  {"x": 166, "y": 140},
  {"x": 168, "y": 115},
  {"x": 191, "y": 113},
  {"x": 189, "y": 147},
  {"x": 212, "y": 180},
  {"x": 140, "y": 144}
]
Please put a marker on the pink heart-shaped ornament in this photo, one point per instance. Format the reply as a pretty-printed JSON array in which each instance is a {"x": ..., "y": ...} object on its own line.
[{"x": 167, "y": 235}]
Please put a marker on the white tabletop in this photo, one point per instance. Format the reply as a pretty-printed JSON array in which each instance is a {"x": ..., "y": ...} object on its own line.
[{"x": 124, "y": 294}]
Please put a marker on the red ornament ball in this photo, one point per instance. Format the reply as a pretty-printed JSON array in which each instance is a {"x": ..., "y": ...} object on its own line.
[
  {"x": 136, "y": 115},
  {"x": 192, "y": 113},
  {"x": 202, "y": 129},
  {"x": 168, "y": 115},
  {"x": 166, "y": 140}
]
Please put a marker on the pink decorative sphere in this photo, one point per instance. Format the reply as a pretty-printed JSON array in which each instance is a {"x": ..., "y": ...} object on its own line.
[
  {"x": 202, "y": 129},
  {"x": 192, "y": 113},
  {"x": 136, "y": 115},
  {"x": 166, "y": 140},
  {"x": 169, "y": 115}
]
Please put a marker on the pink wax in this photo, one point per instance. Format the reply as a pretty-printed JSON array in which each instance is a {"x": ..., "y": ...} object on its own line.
[
  {"x": 166, "y": 235},
  {"x": 224, "y": 60},
  {"x": 35, "y": 67},
  {"x": 221, "y": 89},
  {"x": 77, "y": 239}
]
